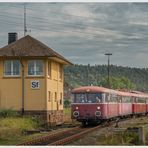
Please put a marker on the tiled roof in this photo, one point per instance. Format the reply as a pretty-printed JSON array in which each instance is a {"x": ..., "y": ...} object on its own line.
[{"x": 29, "y": 47}]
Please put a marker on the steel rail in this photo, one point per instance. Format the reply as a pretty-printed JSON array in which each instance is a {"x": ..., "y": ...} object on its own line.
[
  {"x": 66, "y": 136},
  {"x": 75, "y": 136},
  {"x": 81, "y": 133},
  {"x": 44, "y": 139}
]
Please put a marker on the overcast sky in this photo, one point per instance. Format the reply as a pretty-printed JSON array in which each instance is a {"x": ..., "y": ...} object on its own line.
[{"x": 84, "y": 32}]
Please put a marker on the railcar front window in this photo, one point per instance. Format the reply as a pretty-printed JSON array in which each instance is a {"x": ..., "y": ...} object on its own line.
[
  {"x": 94, "y": 98},
  {"x": 87, "y": 98},
  {"x": 80, "y": 98}
]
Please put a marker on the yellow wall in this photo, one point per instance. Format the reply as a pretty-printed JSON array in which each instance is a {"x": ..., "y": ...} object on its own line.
[
  {"x": 54, "y": 84},
  {"x": 11, "y": 89},
  {"x": 10, "y": 93}
]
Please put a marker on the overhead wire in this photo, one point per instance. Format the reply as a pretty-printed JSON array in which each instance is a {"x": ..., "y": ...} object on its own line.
[
  {"x": 55, "y": 12},
  {"x": 43, "y": 24},
  {"x": 53, "y": 26},
  {"x": 90, "y": 28},
  {"x": 62, "y": 22},
  {"x": 69, "y": 23}
]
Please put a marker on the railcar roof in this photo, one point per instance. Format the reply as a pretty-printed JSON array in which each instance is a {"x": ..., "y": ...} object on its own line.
[
  {"x": 90, "y": 89},
  {"x": 94, "y": 89}
]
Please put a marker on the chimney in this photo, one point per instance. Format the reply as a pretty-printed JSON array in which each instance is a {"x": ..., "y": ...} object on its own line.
[{"x": 12, "y": 37}]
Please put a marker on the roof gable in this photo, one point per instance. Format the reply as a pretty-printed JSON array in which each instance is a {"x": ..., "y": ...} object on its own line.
[{"x": 29, "y": 46}]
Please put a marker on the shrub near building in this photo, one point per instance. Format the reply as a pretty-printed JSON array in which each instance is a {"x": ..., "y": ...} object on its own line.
[{"x": 13, "y": 127}]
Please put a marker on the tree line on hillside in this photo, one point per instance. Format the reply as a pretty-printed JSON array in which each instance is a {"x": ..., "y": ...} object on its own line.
[{"x": 120, "y": 77}]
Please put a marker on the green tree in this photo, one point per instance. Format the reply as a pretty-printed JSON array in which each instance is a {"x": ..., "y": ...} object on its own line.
[
  {"x": 118, "y": 83},
  {"x": 82, "y": 75}
]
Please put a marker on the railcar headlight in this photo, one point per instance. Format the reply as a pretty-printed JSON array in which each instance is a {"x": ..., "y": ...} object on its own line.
[
  {"x": 98, "y": 107},
  {"x": 75, "y": 113},
  {"x": 77, "y": 107},
  {"x": 98, "y": 113}
]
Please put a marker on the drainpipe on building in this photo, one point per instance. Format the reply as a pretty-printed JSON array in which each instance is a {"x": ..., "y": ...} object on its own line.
[{"x": 22, "y": 89}]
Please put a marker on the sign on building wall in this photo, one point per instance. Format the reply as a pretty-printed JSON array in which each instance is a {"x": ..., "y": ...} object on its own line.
[{"x": 35, "y": 84}]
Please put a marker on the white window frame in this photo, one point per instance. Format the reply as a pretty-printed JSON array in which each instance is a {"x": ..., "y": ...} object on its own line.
[
  {"x": 34, "y": 61},
  {"x": 12, "y": 72},
  {"x": 49, "y": 69},
  {"x": 60, "y": 72}
]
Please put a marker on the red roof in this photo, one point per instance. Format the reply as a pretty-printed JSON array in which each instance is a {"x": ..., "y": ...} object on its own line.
[
  {"x": 95, "y": 89},
  {"x": 90, "y": 89}
]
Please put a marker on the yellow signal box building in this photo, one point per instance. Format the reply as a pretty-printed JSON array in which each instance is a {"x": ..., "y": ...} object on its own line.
[{"x": 31, "y": 78}]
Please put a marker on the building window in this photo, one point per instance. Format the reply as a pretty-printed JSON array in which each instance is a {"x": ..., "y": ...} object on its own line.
[
  {"x": 61, "y": 100},
  {"x": 11, "y": 68},
  {"x": 60, "y": 72},
  {"x": 49, "y": 68},
  {"x": 49, "y": 96},
  {"x": 55, "y": 97},
  {"x": 35, "y": 67}
]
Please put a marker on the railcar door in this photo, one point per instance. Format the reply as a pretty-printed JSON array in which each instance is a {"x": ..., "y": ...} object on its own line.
[
  {"x": 120, "y": 105},
  {"x": 104, "y": 105},
  {"x": 126, "y": 105},
  {"x": 147, "y": 105},
  {"x": 113, "y": 106},
  {"x": 133, "y": 105},
  {"x": 107, "y": 104}
]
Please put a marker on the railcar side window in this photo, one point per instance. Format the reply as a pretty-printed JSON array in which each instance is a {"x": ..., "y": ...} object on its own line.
[
  {"x": 107, "y": 98},
  {"x": 113, "y": 98},
  {"x": 140, "y": 100},
  {"x": 73, "y": 97},
  {"x": 126, "y": 100},
  {"x": 120, "y": 99},
  {"x": 103, "y": 97}
]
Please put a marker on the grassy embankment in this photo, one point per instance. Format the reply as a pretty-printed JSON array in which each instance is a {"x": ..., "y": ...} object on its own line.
[
  {"x": 67, "y": 115},
  {"x": 12, "y": 130},
  {"x": 13, "y": 127},
  {"x": 125, "y": 138}
]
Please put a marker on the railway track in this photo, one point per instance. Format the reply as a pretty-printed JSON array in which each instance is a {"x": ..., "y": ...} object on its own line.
[
  {"x": 61, "y": 137},
  {"x": 66, "y": 136},
  {"x": 44, "y": 140},
  {"x": 74, "y": 135}
]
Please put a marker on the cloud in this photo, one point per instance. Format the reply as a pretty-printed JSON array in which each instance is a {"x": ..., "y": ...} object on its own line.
[
  {"x": 83, "y": 32},
  {"x": 140, "y": 23}
]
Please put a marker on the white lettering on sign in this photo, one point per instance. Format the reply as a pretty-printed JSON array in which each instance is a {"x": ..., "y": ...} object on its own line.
[{"x": 35, "y": 84}]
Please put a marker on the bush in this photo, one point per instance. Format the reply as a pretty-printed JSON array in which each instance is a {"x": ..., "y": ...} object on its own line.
[
  {"x": 38, "y": 120},
  {"x": 4, "y": 113},
  {"x": 67, "y": 103},
  {"x": 14, "y": 129}
]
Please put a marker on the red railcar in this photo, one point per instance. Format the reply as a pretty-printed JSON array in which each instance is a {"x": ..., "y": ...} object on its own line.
[{"x": 94, "y": 104}]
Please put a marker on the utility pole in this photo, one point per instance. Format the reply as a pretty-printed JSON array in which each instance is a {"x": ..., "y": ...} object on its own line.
[
  {"x": 108, "y": 54},
  {"x": 25, "y": 27},
  {"x": 22, "y": 65}
]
